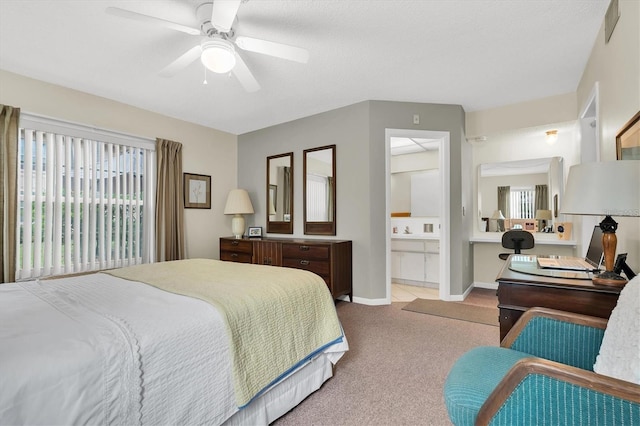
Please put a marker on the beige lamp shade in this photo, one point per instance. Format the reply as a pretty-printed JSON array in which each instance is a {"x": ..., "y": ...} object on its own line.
[
  {"x": 608, "y": 188},
  {"x": 498, "y": 215},
  {"x": 543, "y": 214},
  {"x": 238, "y": 203}
]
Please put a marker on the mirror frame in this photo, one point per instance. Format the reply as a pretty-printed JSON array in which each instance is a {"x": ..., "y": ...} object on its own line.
[
  {"x": 279, "y": 227},
  {"x": 319, "y": 228}
]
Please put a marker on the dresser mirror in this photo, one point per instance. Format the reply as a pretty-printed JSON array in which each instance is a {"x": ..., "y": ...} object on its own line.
[
  {"x": 279, "y": 194},
  {"x": 319, "y": 190},
  {"x": 523, "y": 194}
]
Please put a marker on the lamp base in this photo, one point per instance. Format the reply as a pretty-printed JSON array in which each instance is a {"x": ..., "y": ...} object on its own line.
[
  {"x": 237, "y": 226},
  {"x": 609, "y": 278}
]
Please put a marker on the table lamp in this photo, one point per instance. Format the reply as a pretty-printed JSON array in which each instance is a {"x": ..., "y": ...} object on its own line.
[
  {"x": 543, "y": 216},
  {"x": 498, "y": 216},
  {"x": 607, "y": 189},
  {"x": 238, "y": 203}
]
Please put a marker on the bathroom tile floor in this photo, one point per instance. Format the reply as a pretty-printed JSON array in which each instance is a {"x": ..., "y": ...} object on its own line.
[{"x": 407, "y": 293}]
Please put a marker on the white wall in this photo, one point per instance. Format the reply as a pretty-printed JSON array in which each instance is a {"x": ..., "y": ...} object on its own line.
[
  {"x": 616, "y": 68},
  {"x": 402, "y": 168},
  {"x": 205, "y": 151}
]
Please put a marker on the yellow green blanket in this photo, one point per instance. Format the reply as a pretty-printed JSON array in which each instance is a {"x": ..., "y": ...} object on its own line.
[{"x": 276, "y": 317}]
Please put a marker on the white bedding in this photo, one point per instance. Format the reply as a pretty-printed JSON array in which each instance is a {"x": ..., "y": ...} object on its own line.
[{"x": 99, "y": 349}]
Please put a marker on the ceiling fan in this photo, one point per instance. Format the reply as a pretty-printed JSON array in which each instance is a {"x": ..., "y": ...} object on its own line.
[{"x": 217, "y": 49}]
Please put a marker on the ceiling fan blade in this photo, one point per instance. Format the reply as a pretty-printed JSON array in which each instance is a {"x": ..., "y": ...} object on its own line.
[
  {"x": 270, "y": 48},
  {"x": 224, "y": 13},
  {"x": 244, "y": 75},
  {"x": 182, "y": 62},
  {"x": 116, "y": 11}
]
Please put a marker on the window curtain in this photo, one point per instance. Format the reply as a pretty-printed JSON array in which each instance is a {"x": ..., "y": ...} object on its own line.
[
  {"x": 9, "y": 117},
  {"x": 330, "y": 184},
  {"x": 504, "y": 205},
  {"x": 541, "y": 200},
  {"x": 542, "y": 197},
  {"x": 286, "y": 193},
  {"x": 169, "y": 201}
]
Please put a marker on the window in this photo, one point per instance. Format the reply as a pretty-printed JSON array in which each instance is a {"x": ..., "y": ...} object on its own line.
[
  {"x": 522, "y": 203},
  {"x": 85, "y": 199}
]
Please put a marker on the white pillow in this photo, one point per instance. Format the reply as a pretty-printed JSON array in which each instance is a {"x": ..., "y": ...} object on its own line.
[{"x": 619, "y": 355}]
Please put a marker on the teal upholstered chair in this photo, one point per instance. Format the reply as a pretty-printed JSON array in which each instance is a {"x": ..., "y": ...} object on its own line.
[{"x": 543, "y": 371}]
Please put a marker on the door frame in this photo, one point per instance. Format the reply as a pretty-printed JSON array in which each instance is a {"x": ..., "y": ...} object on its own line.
[{"x": 444, "y": 287}]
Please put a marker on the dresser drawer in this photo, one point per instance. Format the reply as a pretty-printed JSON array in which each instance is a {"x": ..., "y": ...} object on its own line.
[
  {"x": 316, "y": 266},
  {"x": 302, "y": 251},
  {"x": 235, "y": 257},
  {"x": 237, "y": 246}
]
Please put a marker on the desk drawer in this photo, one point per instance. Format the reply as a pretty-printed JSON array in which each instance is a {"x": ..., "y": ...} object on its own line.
[
  {"x": 302, "y": 251},
  {"x": 576, "y": 299}
]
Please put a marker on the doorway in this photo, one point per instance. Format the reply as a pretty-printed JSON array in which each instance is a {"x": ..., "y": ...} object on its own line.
[{"x": 443, "y": 139}]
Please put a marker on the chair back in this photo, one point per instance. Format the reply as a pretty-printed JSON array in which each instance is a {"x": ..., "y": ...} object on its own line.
[{"x": 518, "y": 240}]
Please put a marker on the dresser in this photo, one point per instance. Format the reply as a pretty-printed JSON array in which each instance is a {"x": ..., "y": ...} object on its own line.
[
  {"x": 331, "y": 259},
  {"x": 521, "y": 285}
]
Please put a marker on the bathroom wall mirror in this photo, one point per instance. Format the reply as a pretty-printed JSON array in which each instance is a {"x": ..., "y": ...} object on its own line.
[
  {"x": 279, "y": 194},
  {"x": 319, "y": 188},
  {"x": 522, "y": 191}
]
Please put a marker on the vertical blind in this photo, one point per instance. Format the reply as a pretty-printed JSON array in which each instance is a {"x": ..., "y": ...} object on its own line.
[
  {"x": 317, "y": 198},
  {"x": 84, "y": 204},
  {"x": 522, "y": 203}
]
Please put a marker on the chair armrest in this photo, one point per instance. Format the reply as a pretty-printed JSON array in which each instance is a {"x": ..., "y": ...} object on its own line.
[
  {"x": 560, "y": 336},
  {"x": 552, "y": 390},
  {"x": 568, "y": 317}
]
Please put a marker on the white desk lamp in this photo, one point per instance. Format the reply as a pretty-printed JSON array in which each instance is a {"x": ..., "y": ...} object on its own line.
[
  {"x": 238, "y": 203},
  {"x": 610, "y": 188}
]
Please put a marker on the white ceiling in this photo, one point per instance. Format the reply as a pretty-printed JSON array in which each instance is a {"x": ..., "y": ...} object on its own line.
[{"x": 476, "y": 53}]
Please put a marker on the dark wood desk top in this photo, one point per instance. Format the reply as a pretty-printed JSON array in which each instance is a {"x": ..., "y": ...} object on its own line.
[{"x": 524, "y": 269}]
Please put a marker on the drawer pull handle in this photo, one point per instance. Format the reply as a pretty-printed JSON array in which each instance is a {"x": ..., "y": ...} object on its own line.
[
  {"x": 304, "y": 262},
  {"x": 234, "y": 254},
  {"x": 304, "y": 248},
  {"x": 235, "y": 243}
]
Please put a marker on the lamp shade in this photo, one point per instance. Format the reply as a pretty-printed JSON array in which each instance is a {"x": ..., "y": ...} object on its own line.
[
  {"x": 608, "y": 188},
  {"x": 497, "y": 215},
  {"x": 238, "y": 202},
  {"x": 543, "y": 214}
]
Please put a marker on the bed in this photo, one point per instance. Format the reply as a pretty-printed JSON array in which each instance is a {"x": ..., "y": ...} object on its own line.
[{"x": 186, "y": 342}]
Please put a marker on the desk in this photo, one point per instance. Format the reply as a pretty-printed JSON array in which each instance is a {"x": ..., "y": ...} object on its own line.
[
  {"x": 487, "y": 246},
  {"x": 518, "y": 291}
]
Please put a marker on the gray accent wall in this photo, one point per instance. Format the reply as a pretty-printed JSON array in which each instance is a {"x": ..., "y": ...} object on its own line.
[{"x": 358, "y": 131}]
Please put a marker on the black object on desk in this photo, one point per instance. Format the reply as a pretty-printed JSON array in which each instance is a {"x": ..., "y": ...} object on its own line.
[{"x": 621, "y": 266}]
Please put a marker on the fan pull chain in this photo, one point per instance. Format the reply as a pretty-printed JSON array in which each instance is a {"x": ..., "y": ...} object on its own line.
[{"x": 205, "y": 76}]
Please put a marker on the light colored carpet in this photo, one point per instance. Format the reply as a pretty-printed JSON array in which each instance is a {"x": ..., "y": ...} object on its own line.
[
  {"x": 455, "y": 310},
  {"x": 395, "y": 369}
]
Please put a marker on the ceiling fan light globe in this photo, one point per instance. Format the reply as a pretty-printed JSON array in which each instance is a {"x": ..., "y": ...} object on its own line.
[{"x": 218, "y": 56}]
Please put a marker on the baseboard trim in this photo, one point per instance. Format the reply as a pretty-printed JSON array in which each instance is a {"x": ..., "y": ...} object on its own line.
[
  {"x": 490, "y": 286},
  {"x": 371, "y": 302}
]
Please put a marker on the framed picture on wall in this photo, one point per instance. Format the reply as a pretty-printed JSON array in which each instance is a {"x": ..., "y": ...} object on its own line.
[
  {"x": 197, "y": 191},
  {"x": 628, "y": 140}
]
